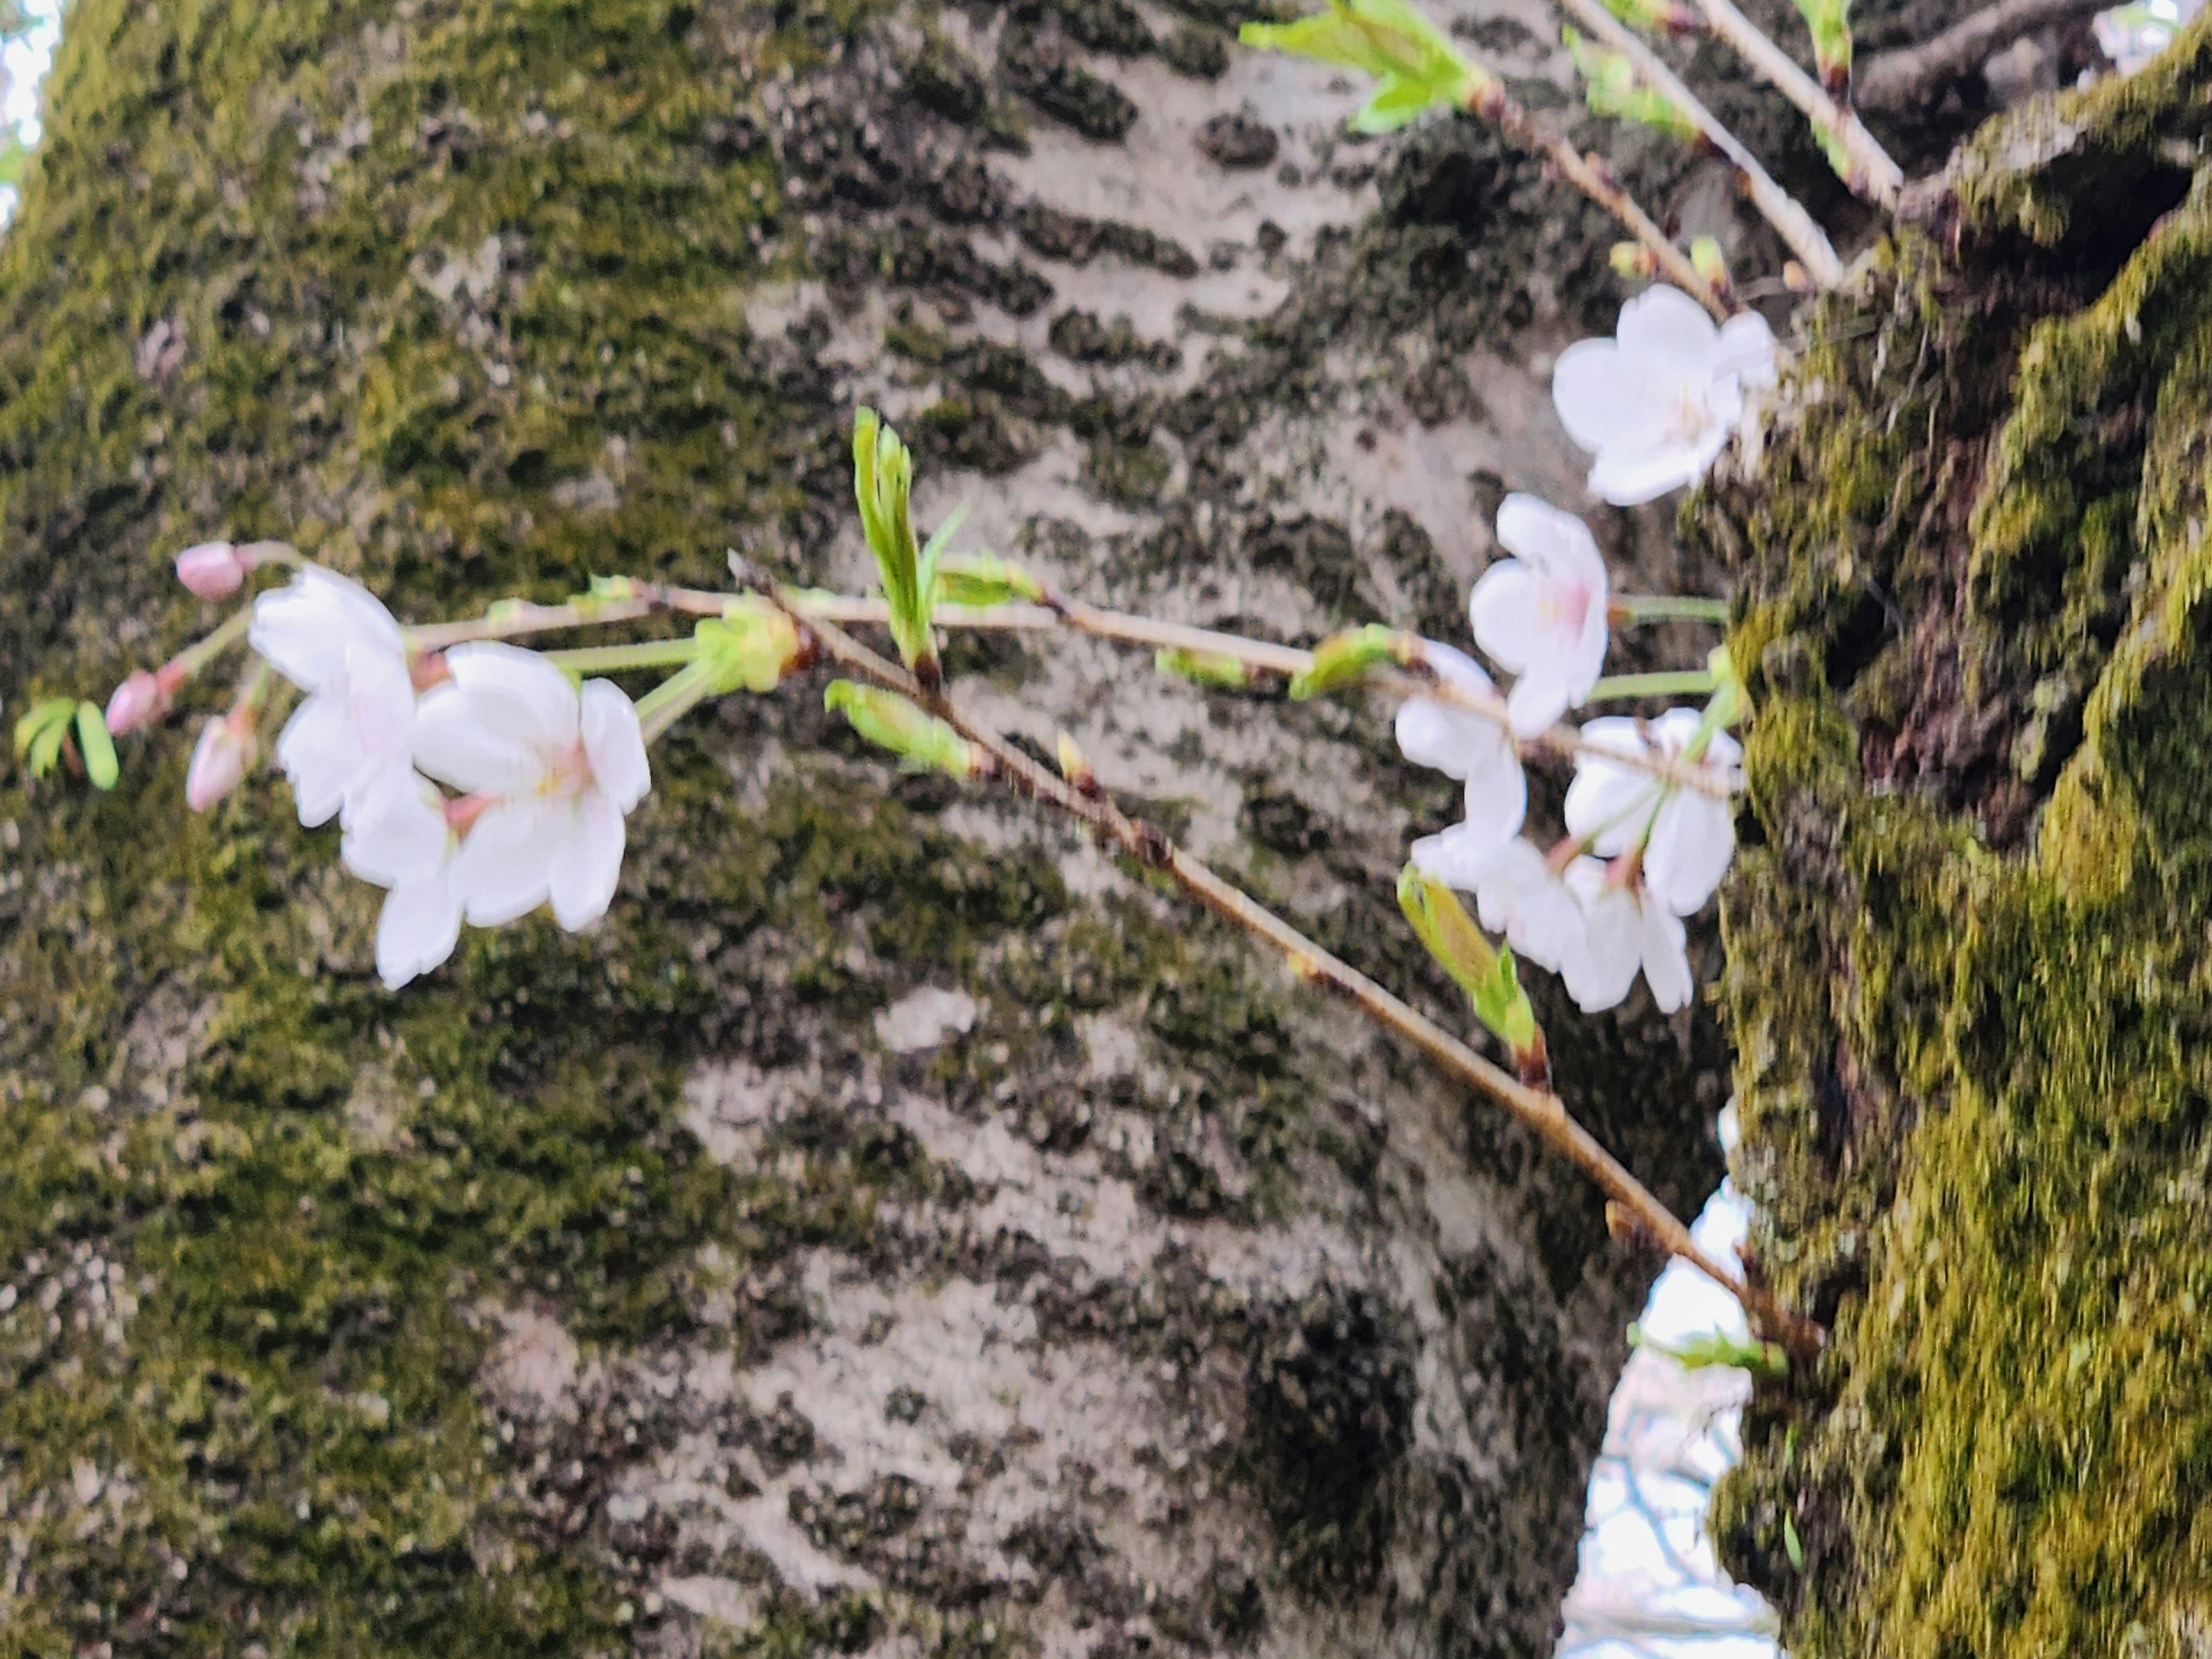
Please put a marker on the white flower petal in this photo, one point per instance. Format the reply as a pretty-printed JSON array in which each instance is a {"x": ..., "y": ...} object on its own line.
[
  {"x": 453, "y": 745},
  {"x": 516, "y": 694},
  {"x": 1588, "y": 391},
  {"x": 1507, "y": 612},
  {"x": 614, "y": 744},
  {"x": 1746, "y": 349},
  {"x": 587, "y": 861},
  {"x": 320, "y": 754},
  {"x": 1496, "y": 791},
  {"x": 303, "y": 628},
  {"x": 1539, "y": 697},
  {"x": 504, "y": 869},
  {"x": 1666, "y": 963},
  {"x": 419, "y": 926},
  {"x": 396, "y": 834},
  {"x": 381, "y": 702},
  {"x": 1455, "y": 857},
  {"x": 1692, "y": 839},
  {"x": 1612, "y": 936},
  {"x": 1664, "y": 324},
  {"x": 1517, "y": 895},
  {"x": 1643, "y": 468}
]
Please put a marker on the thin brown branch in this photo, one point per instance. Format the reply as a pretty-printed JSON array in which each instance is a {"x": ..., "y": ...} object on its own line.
[
  {"x": 1783, "y": 212},
  {"x": 1912, "y": 75},
  {"x": 1594, "y": 180},
  {"x": 1873, "y": 174},
  {"x": 515, "y": 621},
  {"x": 1150, "y": 846}
]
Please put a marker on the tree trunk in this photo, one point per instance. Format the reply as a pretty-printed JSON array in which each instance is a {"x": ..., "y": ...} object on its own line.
[
  {"x": 897, "y": 1228},
  {"x": 1970, "y": 978}
]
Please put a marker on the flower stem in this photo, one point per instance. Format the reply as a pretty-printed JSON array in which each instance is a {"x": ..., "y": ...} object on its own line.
[
  {"x": 1682, "y": 682},
  {"x": 193, "y": 658},
  {"x": 1150, "y": 848},
  {"x": 670, "y": 700},
  {"x": 1874, "y": 175},
  {"x": 614, "y": 658},
  {"x": 1783, "y": 212},
  {"x": 1590, "y": 176},
  {"x": 1662, "y": 607}
]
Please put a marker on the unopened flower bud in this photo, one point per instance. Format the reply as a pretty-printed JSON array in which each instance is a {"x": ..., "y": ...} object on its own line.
[
  {"x": 225, "y": 754},
  {"x": 139, "y": 699},
  {"x": 214, "y": 570},
  {"x": 1634, "y": 261}
]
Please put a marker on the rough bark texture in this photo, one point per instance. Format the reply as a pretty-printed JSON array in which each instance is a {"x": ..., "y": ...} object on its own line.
[
  {"x": 896, "y": 1228},
  {"x": 1970, "y": 974}
]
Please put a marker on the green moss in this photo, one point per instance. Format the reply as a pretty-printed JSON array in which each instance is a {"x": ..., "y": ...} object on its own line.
[{"x": 1972, "y": 1075}]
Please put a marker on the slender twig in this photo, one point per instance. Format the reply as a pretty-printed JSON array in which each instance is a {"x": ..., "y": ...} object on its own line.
[
  {"x": 1874, "y": 174},
  {"x": 1587, "y": 174},
  {"x": 1898, "y": 80},
  {"x": 1541, "y": 1110},
  {"x": 510, "y": 621},
  {"x": 1783, "y": 211}
]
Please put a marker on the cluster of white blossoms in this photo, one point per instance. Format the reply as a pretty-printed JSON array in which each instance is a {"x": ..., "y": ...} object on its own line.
[
  {"x": 1649, "y": 837},
  {"x": 545, "y": 769}
]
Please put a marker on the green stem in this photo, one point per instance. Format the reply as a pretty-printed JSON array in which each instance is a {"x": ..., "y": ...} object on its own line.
[
  {"x": 613, "y": 658},
  {"x": 1681, "y": 682},
  {"x": 193, "y": 658},
  {"x": 670, "y": 700},
  {"x": 1662, "y": 607}
]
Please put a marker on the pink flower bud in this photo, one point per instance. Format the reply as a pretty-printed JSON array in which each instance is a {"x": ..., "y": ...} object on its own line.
[
  {"x": 139, "y": 699},
  {"x": 213, "y": 570},
  {"x": 225, "y": 753}
]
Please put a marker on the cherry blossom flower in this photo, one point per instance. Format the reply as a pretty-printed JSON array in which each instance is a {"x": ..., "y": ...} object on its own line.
[
  {"x": 1541, "y": 614},
  {"x": 224, "y": 755},
  {"x": 1658, "y": 401},
  {"x": 330, "y": 637},
  {"x": 562, "y": 768},
  {"x": 399, "y": 837},
  {"x": 1626, "y": 927},
  {"x": 1462, "y": 744},
  {"x": 1687, "y": 837}
]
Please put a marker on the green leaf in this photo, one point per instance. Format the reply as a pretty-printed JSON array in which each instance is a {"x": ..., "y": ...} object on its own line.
[
  {"x": 926, "y": 569},
  {"x": 1829, "y": 22},
  {"x": 1214, "y": 668},
  {"x": 1832, "y": 148},
  {"x": 1413, "y": 60},
  {"x": 1485, "y": 972},
  {"x": 40, "y": 731},
  {"x": 1610, "y": 86},
  {"x": 922, "y": 742},
  {"x": 96, "y": 746},
  {"x": 1342, "y": 658},
  {"x": 746, "y": 649},
  {"x": 883, "y": 484},
  {"x": 1790, "y": 1546},
  {"x": 979, "y": 580}
]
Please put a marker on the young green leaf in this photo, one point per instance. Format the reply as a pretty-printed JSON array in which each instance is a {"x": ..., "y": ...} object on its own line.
[
  {"x": 979, "y": 580},
  {"x": 1415, "y": 63},
  {"x": 1342, "y": 658},
  {"x": 1609, "y": 84},
  {"x": 1484, "y": 971},
  {"x": 883, "y": 484},
  {"x": 921, "y": 741},
  {"x": 40, "y": 731},
  {"x": 1213, "y": 668},
  {"x": 747, "y": 647},
  {"x": 1829, "y": 22},
  {"x": 96, "y": 746}
]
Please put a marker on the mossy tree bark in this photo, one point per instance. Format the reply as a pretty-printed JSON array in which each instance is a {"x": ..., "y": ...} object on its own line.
[
  {"x": 1970, "y": 969},
  {"x": 896, "y": 1228}
]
